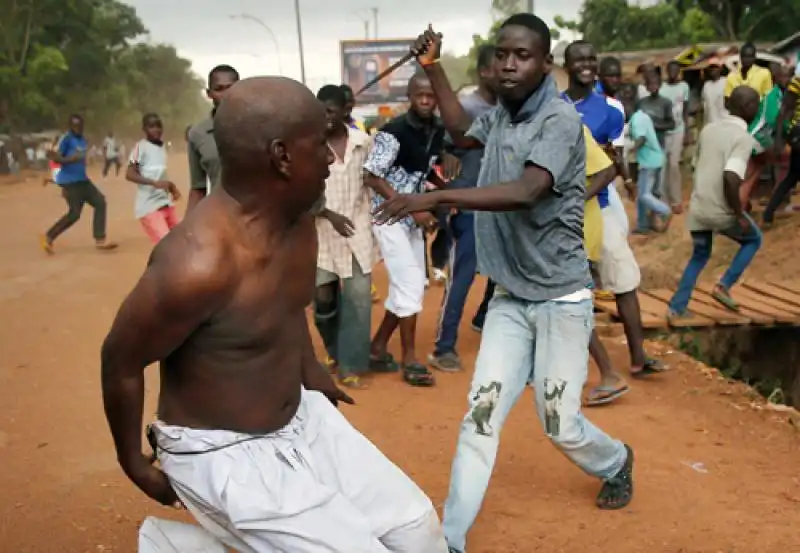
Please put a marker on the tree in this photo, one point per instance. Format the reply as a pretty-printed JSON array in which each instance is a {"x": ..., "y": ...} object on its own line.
[
  {"x": 63, "y": 56},
  {"x": 616, "y": 25}
]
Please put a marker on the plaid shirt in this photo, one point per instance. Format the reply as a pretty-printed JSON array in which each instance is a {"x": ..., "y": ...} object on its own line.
[{"x": 346, "y": 194}]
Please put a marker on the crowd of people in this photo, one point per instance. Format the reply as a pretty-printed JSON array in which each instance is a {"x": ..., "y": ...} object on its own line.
[{"x": 292, "y": 203}]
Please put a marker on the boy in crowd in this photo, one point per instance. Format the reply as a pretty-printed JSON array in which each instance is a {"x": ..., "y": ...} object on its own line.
[
  {"x": 147, "y": 168},
  {"x": 401, "y": 160},
  {"x": 676, "y": 91}
]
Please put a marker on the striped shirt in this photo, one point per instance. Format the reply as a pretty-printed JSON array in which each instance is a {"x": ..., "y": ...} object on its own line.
[
  {"x": 794, "y": 88},
  {"x": 346, "y": 194}
]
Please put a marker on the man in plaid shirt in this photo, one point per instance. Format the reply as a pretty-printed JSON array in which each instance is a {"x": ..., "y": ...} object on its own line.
[{"x": 343, "y": 303}]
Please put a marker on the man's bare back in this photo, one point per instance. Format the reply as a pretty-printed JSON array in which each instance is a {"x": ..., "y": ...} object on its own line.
[{"x": 222, "y": 302}]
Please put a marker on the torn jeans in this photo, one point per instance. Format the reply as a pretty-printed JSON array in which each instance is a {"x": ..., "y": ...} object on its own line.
[{"x": 545, "y": 344}]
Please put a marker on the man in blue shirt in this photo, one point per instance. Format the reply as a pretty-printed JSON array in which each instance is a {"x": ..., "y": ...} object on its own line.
[
  {"x": 77, "y": 189},
  {"x": 619, "y": 271}
]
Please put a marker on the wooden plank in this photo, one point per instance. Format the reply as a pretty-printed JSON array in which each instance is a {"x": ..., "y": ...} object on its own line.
[
  {"x": 756, "y": 317},
  {"x": 767, "y": 289},
  {"x": 651, "y": 306},
  {"x": 790, "y": 286},
  {"x": 746, "y": 301},
  {"x": 718, "y": 314},
  {"x": 771, "y": 302}
]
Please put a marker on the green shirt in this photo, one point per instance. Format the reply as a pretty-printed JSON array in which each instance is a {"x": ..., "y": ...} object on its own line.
[{"x": 763, "y": 126}]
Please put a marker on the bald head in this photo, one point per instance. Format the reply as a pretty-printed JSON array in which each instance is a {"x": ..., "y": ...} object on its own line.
[
  {"x": 421, "y": 96},
  {"x": 270, "y": 131},
  {"x": 744, "y": 102}
]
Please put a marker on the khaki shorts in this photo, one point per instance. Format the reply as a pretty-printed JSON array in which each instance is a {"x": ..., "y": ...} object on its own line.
[{"x": 619, "y": 271}]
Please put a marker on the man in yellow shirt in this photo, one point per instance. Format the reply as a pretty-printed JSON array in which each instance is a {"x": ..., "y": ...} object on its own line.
[
  {"x": 600, "y": 171},
  {"x": 758, "y": 78}
]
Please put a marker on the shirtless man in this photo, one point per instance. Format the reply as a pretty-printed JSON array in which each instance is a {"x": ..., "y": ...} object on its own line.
[{"x": 248, "y": 438}]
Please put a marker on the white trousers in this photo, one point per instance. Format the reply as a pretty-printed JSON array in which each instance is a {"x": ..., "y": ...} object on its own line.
[
  {"x": 315, "y": 486},
  {"x": 403, "y": 250}
]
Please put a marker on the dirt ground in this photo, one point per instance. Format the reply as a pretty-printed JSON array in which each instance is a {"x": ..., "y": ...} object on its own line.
[{"x": 715, "y": 471}]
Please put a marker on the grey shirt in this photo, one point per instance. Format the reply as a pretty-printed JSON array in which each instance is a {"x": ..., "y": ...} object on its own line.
[
  {"x": 535, "y": 254},
  {"x": 204, "y": 167}
]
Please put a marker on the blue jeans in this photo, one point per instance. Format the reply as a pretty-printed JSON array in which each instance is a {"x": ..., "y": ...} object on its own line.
[
  {"x": 463, "y": 264},
  {"x": 750, "y": 241},
  {"x": 343, "y": 316},
  {"x": 646, "y": 202},
  {"x": 546, "y": 344}
]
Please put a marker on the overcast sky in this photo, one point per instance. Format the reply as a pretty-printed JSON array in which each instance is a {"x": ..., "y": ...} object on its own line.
[{"x": 203, "y": 31}]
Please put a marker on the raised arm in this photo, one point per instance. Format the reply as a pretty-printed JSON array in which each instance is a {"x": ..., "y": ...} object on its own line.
[
  {"x": 177, "y": 293},
  {"x": 457, "y": 121}
]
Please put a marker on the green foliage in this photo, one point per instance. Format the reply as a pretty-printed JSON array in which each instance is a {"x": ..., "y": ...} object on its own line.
[
  {"x": 63, "y": 56},
  {"x": 616, "y": 25}
]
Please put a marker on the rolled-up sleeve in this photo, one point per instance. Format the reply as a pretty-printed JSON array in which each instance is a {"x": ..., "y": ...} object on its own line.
[
  {"x": 385, "y": 148},
  {"x": 558, "y": 146},
  {"x": 197, "y": 175},
  {"x": 739, "y": 156}
]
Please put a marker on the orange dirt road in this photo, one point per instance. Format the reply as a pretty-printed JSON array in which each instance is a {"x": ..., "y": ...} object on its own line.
[{"x": 714, "y": 473}]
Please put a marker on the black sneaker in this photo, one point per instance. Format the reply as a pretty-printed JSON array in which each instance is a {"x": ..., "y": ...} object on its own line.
[{"x": 617, "y": 491}]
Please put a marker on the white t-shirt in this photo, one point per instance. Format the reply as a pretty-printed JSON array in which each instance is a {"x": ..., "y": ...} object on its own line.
[
  {"x": 151, "y": 159},
  {"x": 619, "y": 141},
  {"x": 110, "y": 147},
  {"x": 714, "y": 100}
]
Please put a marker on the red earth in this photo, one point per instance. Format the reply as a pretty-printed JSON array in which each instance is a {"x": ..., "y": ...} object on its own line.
[{"x": 716, "y": 471}]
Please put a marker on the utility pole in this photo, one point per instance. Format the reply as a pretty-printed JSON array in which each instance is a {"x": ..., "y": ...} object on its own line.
[
  {"x": 375, "y": 21},
  {"x": 366, "y": 29},
  {"x": 300, "y": 41}
]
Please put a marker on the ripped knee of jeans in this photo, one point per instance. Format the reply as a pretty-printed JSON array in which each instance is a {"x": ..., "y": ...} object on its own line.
[{"x": 484, "y": 401}]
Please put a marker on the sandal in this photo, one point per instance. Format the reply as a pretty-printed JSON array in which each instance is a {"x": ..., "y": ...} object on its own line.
[
  {"x": 617, "y": 491},
  {"x": 354, "y": 382},
  {"x": 383, "y": 363},
  {"x": 650, "y": 367},
  {"x": 603, "y": 395},
  {"x": 417, "y": 374}
]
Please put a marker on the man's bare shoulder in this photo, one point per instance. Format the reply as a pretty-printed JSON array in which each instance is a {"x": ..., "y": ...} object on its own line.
[{"x": 197, "y": 254}]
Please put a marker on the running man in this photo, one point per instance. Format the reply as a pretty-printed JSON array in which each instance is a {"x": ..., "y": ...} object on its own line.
[
  {"x": 676, "y": 90},
  {"x": 155, "y": 193},
  {"x": 531, "y": 244},
  {"x": 723, "y": 151},
  {"x": 201, "y": 148},
  {"x": 247, "y": 436},
  {"x": 403, "y": 156},
  {"x": 76, "y": 188}
]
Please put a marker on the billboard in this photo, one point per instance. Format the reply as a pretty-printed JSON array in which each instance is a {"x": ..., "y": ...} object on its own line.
[{"x": 363, "y": 60}]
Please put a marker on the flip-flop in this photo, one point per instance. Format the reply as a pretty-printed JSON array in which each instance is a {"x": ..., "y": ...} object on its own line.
[
  {"x": 418, "y": 375},
  {"x": 603, "y": 395},
  {"x": 384, "y": 363},
  {"x": 650, "y": 367}
]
